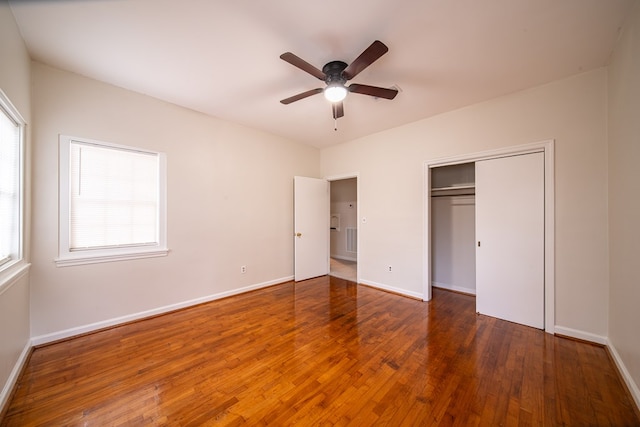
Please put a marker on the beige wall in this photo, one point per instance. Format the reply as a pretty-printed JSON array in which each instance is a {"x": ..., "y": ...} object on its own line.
[
  {"x": 14, "y": 293},
  {"x": 390, "y": 166},
  {"x": 624, "y": 198},
  {"x": 230, "y": 192}
]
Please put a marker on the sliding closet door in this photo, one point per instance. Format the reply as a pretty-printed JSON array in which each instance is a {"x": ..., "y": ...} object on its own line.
[{"x": 510, "y": 238}]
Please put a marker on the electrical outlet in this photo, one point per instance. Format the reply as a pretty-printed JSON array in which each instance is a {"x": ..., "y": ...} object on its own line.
[
  {"x": 243, "y": 269},
  {"x": 389, "y": 270}
]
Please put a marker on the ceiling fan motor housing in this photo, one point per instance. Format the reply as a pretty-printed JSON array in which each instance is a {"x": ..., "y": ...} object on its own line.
[{"x": 333, "y": 72}]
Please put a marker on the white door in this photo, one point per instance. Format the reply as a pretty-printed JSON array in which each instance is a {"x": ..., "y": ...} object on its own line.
[
  {"x": 311, "y": 227},
  {"x": 510, "y": 238}
]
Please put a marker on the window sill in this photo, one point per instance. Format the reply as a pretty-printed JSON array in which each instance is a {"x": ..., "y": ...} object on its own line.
[
  {"x": 82, "y": 259},
  {"x": 11, "y": 274}
]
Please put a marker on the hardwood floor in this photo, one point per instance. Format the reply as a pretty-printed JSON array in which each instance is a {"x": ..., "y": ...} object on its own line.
[
  {"x": 343, "y": 269},
  {"x": 321, "y": 352}
]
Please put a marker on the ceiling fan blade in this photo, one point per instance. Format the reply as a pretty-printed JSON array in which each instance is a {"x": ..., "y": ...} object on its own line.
[
  {"x": 300, "y": 96},
  {"x": 366, "y": 58},
  {"x": 378, "y": 92},
  {"x": 302, "y": 64},
  {"x": 338, "y": 109}
]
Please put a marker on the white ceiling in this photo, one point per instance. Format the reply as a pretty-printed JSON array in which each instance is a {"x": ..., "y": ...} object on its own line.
[{"x": 221, "y": 57}]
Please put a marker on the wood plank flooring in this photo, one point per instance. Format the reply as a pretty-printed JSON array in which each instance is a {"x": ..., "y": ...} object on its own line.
[
  {"x": 322, "y": 352},
  {"x": 343, "y": 269}
]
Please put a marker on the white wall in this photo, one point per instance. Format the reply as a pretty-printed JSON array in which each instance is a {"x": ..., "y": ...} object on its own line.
[
  {"x": 230, "y": 191},
  {"x": 624, "y": 199},
  {"x": 344, "y": 202},
  {"x": 390, "y": 166},
  {"x": 14, "y": 292}
]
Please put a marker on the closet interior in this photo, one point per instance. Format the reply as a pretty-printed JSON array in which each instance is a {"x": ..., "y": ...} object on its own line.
[{"x": 453, "y": 259}]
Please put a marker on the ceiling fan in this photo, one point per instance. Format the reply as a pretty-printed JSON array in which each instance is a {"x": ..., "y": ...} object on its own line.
[{"x": 336, "y": 73}]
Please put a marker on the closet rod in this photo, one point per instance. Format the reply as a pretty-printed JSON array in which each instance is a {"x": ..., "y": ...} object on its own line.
[{"x": 453, "y": 195}]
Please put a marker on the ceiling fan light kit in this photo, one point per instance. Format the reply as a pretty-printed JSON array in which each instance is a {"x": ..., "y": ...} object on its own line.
[
  {"x": 336, "y": 73},
  {"x": 335, "y": 92}
]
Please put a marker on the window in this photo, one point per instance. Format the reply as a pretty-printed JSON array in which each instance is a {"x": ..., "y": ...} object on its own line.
[
  {"x": 11, "y": 178},
  {"x": 112, "y": 202}
]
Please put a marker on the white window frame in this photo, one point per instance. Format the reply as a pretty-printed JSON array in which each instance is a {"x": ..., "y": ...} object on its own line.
[
  {"x": 67, "y": 257},
  {"x": 12, "y": 112}
]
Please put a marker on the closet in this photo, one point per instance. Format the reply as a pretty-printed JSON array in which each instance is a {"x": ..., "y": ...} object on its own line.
[{"x": 488, "y": 234}]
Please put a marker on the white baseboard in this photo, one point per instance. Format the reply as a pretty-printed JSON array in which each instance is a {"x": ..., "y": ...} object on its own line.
[
  {"x": 626, "y": 376},
  {"x": 471, "y": 291},
  {"x": 415, "y": 295},
  {"x": 14, "y": 375},
  {"x": 581, "y": 335},
  {"x": 67, "y": 333}
]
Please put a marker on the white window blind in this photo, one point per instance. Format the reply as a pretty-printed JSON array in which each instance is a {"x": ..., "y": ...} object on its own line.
[
  {"x": 10, "y": 161},
  {"x": 112, "y": 202},
  {"x": 114, "y": 197}
]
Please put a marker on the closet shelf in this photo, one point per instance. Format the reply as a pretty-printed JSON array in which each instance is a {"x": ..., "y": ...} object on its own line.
[
  {"x": 455, "y": 187},
  {"x": 454, "y": 190}
]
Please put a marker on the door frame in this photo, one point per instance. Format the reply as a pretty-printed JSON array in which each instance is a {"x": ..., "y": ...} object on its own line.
[
  {"x": 547, "y": 147},
  {"x": 339, "y": 178}
]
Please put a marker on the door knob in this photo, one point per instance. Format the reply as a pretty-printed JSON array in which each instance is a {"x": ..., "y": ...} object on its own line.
[{"x": 298, "y": 234}]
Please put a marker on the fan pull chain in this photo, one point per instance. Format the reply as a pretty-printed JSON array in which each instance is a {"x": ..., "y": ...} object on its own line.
[{"x": 335, "y": 124}]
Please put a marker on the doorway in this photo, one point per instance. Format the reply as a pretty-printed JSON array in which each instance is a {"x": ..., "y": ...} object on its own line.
[
  {"x": 547, "y": 229},
  {"x": 343, "y": 228}
]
